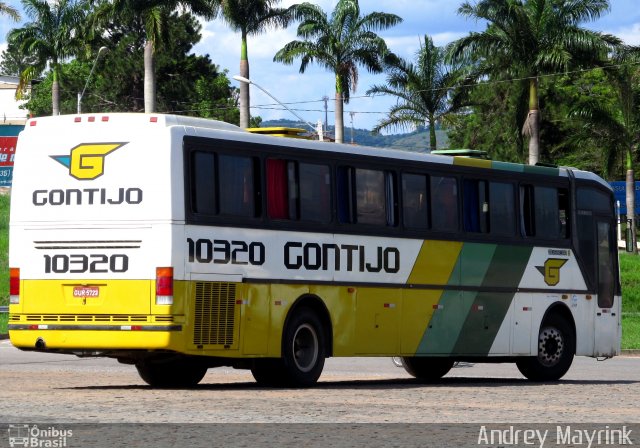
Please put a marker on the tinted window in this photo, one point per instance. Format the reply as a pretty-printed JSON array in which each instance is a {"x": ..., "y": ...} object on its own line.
[
  {"x": 476, "y": 206},
  {"x": 444, "y": 200},
  {"x": 315, "y": 192},
  {"x": 502, "y": 213},
  {"x": 344, "y": 192},
  {"x": 592, "y": 199},
  {"x": 547, "y": 215},
  {"x": 236, "y": 185},
  {"x": 544, "y": 212},
  {"x": 606, "y": 264},
  {"x": 370, "y": 197},
  {"x": 203, "y": 185},
  {"x": 414, "y": 201}
]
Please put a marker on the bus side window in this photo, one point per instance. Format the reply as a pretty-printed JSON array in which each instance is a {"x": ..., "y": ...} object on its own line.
[
  {"x": 476, "y": 206},
  {"x": 547, "y": 213},
  {"x": 502, "y": 210},
  {"x": 527, "y": 214},
  {"x": 236, "y": 184},
  {"x": 544, "y": 212},
  {"x": 344, "y": 191},
  {"x": 444, "y": 197},
  {"x": 415, "y": 195},
  {"x": 370, "y": 197},
  {"x": 203, "y": 183},
  {"x": 315, "y": 192},
  {"x": 278, "y": 204}
]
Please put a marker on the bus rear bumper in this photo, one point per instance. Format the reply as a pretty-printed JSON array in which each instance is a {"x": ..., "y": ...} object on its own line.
[{"x": 96, "y": 337}]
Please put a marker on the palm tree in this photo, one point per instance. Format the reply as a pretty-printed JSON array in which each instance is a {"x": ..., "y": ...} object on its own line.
[
  {"x": 529, "y": 38},
  {"x": 8, "y": 10},
  {"x": 423, "y": 90},
  {"x": 250, "y": 18},
  {"x": 339, "y": 43},
  {"x": 616, "y": 127},
  {"x": 50, "y": 38},
  {"x": 154, "y": 14}
]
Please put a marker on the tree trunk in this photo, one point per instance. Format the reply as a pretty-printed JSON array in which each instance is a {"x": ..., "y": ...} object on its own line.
[
  {"x": 245, "y": 114},
  {"x": 433, "y": 143},
  {"x": 532, "y": 125},
  {"x": 631, "y": 202},
  {"x": 339, "y": 118},
  {"x": 55, "y": 94},
  {"x": 149, "y": 78}
]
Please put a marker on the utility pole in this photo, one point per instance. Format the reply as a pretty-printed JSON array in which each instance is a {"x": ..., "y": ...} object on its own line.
[
  {"x": 326, "y": 113},
  {"x": 352, "y": 114}
]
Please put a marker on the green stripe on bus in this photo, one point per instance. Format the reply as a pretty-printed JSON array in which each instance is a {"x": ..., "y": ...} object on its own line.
[
  {"x": 448, "y": 320},
  {"x": 507, "y": 166},
  {"x": 489, "y": 309},
  {"x": 549, "y": 171}
]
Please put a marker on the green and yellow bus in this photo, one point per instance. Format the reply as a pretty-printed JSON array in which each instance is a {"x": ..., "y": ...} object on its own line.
[{"x": 179, "y": 244}]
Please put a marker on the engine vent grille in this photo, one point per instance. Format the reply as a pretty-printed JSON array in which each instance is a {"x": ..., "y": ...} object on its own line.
[{"x": 214, "y": 314}]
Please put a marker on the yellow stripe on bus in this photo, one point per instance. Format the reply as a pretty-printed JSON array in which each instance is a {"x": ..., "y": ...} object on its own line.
[{"x": 435, "y": 262}]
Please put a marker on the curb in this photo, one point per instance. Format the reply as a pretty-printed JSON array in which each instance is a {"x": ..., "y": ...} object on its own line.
[{"x": 4, "y": 336}]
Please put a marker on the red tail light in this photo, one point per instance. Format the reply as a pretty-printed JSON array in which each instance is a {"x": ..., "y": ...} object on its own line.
[
  {"x": 14, "y": 285},
  {"x": 164, "y": 286}
]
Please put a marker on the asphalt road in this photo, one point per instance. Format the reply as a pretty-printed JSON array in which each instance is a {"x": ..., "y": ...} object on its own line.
[{"x": 48, "y": 387}]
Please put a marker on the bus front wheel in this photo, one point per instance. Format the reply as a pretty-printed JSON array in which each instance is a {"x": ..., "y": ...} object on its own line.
[
  {"x": 176, "y": 372},
  {"x": 556, "y": 348},
  {"x": 425, "y": 368}
]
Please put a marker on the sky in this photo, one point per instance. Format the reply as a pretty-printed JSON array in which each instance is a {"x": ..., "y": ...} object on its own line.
[{"x": 303, "y": 92}]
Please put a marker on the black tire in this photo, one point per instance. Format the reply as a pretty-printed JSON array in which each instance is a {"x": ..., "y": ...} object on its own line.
[
  {"x": 556, "y": 349},
  {"x": 303, "y": 354},
  {"x": 427, "y": 368},
  {"x": 268, "y": 372},
  {"x": 174, "y": 373}
]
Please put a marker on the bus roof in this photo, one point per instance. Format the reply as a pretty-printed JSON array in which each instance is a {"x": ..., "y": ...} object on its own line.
[{"x": 199, "y": 127}]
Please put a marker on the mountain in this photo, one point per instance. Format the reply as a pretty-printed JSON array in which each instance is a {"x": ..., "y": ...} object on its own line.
[{"x": 417, "y": 141}]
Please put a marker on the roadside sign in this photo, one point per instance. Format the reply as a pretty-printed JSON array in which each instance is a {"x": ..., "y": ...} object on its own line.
[{"x": 620, "y": 194}]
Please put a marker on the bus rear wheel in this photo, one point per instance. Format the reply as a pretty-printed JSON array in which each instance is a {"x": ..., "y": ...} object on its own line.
[
  {"x": 303, "y": 354},
  {"x": 426, "y": 368},
  {"x": 556, "y": 349},
  {"x": 176, "y": 372}
]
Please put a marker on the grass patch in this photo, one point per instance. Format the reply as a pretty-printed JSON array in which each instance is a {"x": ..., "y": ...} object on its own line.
[
  {"x": 630, "y": 279},
  {"x": 4, "y": 320},
  {"x": 630, "y": 332}
]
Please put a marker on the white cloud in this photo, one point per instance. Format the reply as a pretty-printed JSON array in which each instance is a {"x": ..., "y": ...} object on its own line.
[{"x": 629, "y": 34}]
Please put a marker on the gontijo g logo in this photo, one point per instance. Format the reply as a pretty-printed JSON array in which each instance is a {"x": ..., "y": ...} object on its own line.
[{"x": 86, "y": 161}]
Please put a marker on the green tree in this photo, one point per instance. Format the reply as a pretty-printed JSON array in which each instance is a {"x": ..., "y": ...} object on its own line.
[
  {"x": 529, "y": 38},
  {"x": 187, "y": 83},
  {"x": 49, "y": 38},
  {"x": 339, "y": 43},
  {"x": 616, "y": 127},
  {"x": 492, "y": 121},
  {"x": 251, "y": 18},
  {"x": 423, "y": 91},
  {"x": 154, "y": 15},
  {"x": 8, "y": 10},
  {"x": 14, "y": 61}
]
